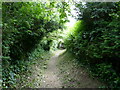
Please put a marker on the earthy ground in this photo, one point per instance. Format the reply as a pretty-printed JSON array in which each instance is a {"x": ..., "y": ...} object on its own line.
[
  {"x": 73, "y": 75},
  {"x": 50, "y": 78},
  {"x": 60, "y": 71},
  {"x": 63, "y": 72}
]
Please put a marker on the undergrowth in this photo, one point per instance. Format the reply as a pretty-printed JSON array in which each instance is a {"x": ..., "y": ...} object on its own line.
[{"x": 17, "y": 75}]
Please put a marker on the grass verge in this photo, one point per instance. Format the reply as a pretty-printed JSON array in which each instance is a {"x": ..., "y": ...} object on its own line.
[{"x": 73, "y": 75}]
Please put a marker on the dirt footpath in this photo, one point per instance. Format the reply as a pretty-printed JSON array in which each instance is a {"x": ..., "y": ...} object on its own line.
[{"x": 50, "y": 78}]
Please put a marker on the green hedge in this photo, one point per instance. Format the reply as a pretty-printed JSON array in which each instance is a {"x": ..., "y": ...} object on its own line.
[
  {"x": 24, "y": 26},
  {"x": 97, "y": 39}
]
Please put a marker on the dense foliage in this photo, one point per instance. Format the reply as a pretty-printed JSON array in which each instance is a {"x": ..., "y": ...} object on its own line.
[
  {"x": 25, "y": 24},
  {"x": 96, "y": 39},
  {"x": 32, "y": 28}
]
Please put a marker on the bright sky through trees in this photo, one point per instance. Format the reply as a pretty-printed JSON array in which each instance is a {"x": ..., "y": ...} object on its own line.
[{"x": 71, "y": 19}]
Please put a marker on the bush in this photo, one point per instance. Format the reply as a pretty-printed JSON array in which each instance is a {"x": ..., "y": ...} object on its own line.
[
  {"x": 97, "y": 40},
  {"x": 25, "y": 24}
]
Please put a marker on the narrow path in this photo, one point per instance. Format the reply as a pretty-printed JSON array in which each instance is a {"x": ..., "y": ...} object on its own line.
[
  {"x": 50, "y": 78},
  {"x": 63, "y": 71}
]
